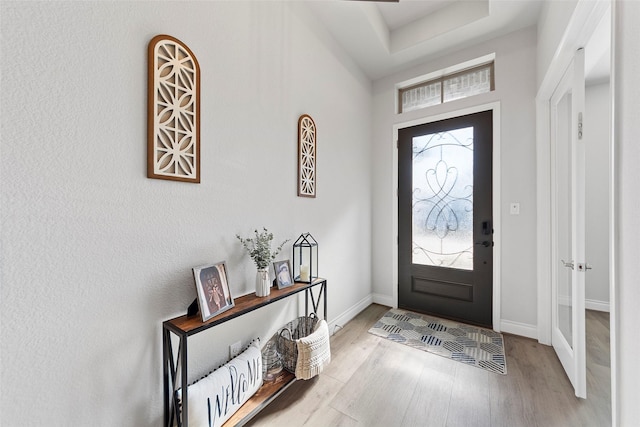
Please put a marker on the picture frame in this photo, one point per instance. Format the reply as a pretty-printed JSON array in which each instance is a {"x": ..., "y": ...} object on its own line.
[
  {"x": 282, "y": 270},
  {"x": 212, "y": 287}
]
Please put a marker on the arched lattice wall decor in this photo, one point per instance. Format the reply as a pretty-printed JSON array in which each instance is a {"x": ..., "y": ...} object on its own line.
[
  {"x": 307, "y": 156},
  {"x": 173, "y": 141}
]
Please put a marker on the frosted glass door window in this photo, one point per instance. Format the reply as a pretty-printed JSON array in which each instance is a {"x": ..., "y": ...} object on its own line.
[
  {"x": 564, "y": 237},
  {"x": 442, "y": 199}
]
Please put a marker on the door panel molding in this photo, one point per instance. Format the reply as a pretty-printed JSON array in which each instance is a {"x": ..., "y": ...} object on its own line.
[
  {"x": 496, "y": 180},
  {"x": 567, "y": 223},
  {"x": 443, "y": 288}
]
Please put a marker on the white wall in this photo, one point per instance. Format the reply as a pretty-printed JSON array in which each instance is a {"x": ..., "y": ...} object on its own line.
[
  {"x": 95, "y": 255},
  {"x": 515, "y": 71},
  {"x": 626, "y": 91},
  {"x": 552, "y": 23},
  {"x": 597, "y": 138}
]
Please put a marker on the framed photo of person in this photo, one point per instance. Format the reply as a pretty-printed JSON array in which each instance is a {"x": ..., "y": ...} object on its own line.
[
  {"x": 212, "y": 288},
  {"x": 283, "y": 274}
]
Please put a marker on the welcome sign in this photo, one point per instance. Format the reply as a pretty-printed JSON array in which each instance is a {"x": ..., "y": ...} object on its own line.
[{"x": 216, "y": 397}]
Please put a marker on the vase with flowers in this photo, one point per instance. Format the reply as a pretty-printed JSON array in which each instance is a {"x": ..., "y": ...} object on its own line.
[{"x": 259, "y": 249}]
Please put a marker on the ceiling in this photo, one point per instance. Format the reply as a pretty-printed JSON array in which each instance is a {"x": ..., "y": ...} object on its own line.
[{"x": 386, "y": 37}]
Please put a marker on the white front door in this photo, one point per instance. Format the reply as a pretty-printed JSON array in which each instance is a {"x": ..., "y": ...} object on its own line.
[{"x": 568, "y": 223}]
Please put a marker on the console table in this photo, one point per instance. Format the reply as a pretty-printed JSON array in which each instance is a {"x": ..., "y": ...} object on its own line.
[{"x": 175, "y": 368}]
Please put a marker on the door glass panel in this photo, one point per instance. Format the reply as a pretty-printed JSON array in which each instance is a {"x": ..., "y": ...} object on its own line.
[
  {"x": 442, "y": 199},
  {"x": 564, "y": 219}
]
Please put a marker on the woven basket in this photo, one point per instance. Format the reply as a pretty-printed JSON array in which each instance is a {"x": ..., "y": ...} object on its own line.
[{"x": 292, "y": 331}]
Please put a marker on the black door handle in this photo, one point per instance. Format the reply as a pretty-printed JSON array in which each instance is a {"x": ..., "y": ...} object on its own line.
[{"x": 485, "y": 243}]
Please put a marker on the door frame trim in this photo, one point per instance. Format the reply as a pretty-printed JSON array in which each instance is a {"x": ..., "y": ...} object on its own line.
[
  {"x": 495, "y": 184},
  {"x": 583, "y": 23},
  {"x": 581, "y": 26}
]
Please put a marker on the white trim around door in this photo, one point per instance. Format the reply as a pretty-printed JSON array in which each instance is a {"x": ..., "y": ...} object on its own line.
[{"x": 583, "y": 23}]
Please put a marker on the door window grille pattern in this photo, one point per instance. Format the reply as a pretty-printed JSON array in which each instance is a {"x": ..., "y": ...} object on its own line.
[
  {"x": 459, "y": 85},
  {"x": 442, "y": 199}
]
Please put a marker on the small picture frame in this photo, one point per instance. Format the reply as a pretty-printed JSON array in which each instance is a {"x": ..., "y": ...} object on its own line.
[
  {"x": 282, "y": 270},
  {"x": 212, "y": 288}
]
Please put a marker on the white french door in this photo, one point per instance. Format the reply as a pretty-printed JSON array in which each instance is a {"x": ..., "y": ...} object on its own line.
[{"x": 568, "y": 223}]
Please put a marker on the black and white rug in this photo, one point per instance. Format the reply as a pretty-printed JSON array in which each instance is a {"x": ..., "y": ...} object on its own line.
[{"x": 468, "y": 344}]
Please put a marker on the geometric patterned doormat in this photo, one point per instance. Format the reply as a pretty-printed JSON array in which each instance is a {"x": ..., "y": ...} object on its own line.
[{"x": 472, "y": 345}]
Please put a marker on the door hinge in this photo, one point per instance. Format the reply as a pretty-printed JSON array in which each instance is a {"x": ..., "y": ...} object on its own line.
[
  {"x": 579, "y": 125},
  {"x": 397, "y": 144}
]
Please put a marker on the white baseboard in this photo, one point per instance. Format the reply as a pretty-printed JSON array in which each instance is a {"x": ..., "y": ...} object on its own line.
[
  {"x": 517, "y": 328},
  {"x": 385, "y": 300},
  {"x": 350, "y": 313},
  {"x": 592, "y": 304}
]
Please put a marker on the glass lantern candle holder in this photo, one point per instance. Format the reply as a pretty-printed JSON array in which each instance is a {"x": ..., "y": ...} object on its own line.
[
  {"x": 271, "y": 361},
  {"x": 305, "y": 259}
]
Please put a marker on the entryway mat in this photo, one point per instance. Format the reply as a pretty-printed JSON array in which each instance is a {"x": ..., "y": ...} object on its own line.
[{"x": 468, "y": 344}]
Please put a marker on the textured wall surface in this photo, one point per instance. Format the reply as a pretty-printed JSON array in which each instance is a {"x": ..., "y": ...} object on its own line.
[
  {"x": 515, "y": 90},
  {"x": 95, "y": 255},
  {"x": 627, "y": 203}
]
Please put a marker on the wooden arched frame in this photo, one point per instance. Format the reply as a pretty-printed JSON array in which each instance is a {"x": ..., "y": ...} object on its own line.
[
  {"x": 307, "y": 156},
  {"x": 173, "y": 109}
]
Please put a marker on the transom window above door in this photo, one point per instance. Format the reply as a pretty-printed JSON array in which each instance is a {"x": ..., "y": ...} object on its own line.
[{"x": 447, "y": 86}]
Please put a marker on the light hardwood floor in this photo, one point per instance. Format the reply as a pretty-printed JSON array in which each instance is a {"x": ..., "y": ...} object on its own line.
[{"x": 374, "y": 382}]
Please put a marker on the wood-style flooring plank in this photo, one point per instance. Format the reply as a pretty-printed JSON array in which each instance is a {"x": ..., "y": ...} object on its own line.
[
  {"x": 431, "y": 398},
  {"x": 379, "y": 392},
  {"x": 599, "y": 367},
  {"x": 373, "y": 382},
  {"x": 352, "y": 345},
  {"x": 509, "y": 406},
  {"x": 598, "y": 341},
  {"x": 545, "y": 383},
  {"x": 469, "y": 404},
  {"x": 303, "y": 402},
  {"x": 331, "y": 417}
]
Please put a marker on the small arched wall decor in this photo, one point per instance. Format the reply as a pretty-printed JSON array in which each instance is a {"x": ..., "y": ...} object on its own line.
[
  {"x": 307, "y": 156},
  {"x": 173, "y": 128}
]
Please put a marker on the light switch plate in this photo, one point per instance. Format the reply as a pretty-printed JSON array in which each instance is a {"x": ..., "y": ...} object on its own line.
[{"x": 514, "y": 208}]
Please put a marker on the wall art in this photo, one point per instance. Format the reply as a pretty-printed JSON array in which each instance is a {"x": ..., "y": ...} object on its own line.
[
  {"x": 307, "y": 156},
  {"x": 173, "y": 109}
]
